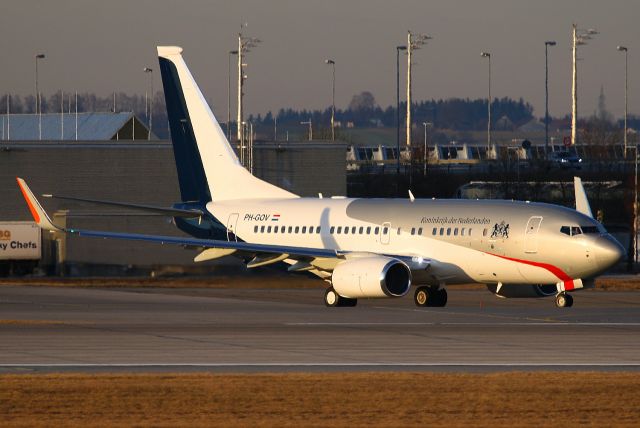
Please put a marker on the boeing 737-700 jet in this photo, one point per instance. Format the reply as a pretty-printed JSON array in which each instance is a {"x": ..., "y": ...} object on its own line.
[{"x": 364, "y": 248}]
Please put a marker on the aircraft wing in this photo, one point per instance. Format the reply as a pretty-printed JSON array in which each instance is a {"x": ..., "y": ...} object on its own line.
[{"x": 210, "y": 243}]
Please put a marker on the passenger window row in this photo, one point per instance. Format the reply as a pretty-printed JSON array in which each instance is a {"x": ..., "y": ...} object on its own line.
[
  {"x": 452, "y": 230},
  {"x": 317, "y": 229},
  {"x": 285, "y": 229}
]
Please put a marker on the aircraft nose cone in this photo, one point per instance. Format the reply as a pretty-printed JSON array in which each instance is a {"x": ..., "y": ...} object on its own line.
[{"x": 608, "y": 252}]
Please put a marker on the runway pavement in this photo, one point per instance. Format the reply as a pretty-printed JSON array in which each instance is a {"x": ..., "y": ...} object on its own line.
[{"x": 164, "y": 329}]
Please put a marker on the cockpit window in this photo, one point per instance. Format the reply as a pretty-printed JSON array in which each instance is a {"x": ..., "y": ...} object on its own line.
[
  {"x": 590, "y": 229},
  {"x": 573, "y": 230}
]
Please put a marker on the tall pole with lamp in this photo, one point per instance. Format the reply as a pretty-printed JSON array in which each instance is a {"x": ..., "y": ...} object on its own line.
[
  {"x": 333, "y": 98},
  {"x": 488, "y": 56},
  {"x": 546, "y": 97},
  {"x": 398, "y": 49},
  {"x": 38, "y": 99},
  {"x": 414, "y": 42},
  {"x": 635, "y": 162},
  {"x": 149, "y": 71},
  {"x": 578, "y": 38}
]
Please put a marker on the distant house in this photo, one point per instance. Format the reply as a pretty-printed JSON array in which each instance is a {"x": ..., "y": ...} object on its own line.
[
  {"x": 534, "y": 125},
  {"x": 504, "y": 124},
  {"x": 69, "y": 126}
]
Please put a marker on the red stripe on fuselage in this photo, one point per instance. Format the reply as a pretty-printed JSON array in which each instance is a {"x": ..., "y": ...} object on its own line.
[{"x": 568, "y": 281}]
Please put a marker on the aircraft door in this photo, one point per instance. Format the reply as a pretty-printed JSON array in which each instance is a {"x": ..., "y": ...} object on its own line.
[
  {"x": 385, "y": 233},
  {"x": 531, "y": 235},
  {"x": 232, "y": 223}
]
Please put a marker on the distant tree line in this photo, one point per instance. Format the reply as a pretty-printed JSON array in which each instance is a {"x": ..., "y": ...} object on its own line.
[{"x": 454, "y": 113}]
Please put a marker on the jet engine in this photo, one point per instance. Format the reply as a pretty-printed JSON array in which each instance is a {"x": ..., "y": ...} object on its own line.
[
  {"x": 523, "y": 290},
  {"x": 371, "y": 277}
]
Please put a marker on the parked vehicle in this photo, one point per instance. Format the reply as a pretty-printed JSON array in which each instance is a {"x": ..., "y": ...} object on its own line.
[{"x": 566, "y": 159}]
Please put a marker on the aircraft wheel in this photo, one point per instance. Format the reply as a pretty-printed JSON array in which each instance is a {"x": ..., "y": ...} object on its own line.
[
  {"x": 563, "y": 300},
  {"x": 441, "y": 298},
  {"x": 331, "y": 298},
  {"x": 569, "y": 300},
  {"x": 347, "y": 303},
  {"x": 422, "y": 296}
]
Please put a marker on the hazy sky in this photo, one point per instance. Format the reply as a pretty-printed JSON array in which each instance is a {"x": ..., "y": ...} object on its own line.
[{"x": 102, "y": 46}]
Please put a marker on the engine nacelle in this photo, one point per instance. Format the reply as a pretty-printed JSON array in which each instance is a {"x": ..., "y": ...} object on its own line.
[
  {"x": 371, "y": 277},
  {"x": 523, "y": 290}
]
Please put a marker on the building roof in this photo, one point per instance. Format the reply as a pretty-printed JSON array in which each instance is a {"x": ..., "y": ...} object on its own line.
[
  {"x": 56, "y": 126},
  {"x": 534, "y": 125}
]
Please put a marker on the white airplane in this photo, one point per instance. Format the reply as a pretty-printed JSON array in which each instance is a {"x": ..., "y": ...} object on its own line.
[{"x": 364, "y": 248}]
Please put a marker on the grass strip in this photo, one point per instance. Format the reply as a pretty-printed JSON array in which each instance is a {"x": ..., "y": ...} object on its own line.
[{"x": 514, "y": 399}]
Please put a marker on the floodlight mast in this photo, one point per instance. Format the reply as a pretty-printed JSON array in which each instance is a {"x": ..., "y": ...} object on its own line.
[
  {"x": 546, "y": 97},
  {"x": 414, "y": 42},
  {"x": 244, "y": 46},
  {"x": 579, "y": 38}
]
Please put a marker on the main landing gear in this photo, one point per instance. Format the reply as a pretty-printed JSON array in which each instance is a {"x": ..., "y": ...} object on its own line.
[
  {"x": 333, "y": 299},
  {"x": 564, "y": 300},
  {"x": 430, "y": 296}
]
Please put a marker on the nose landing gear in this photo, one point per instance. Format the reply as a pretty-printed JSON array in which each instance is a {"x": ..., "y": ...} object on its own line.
[{"x": 564, "y": 300}]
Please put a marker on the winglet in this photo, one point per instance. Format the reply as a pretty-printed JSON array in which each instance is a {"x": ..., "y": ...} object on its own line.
[
  {"x": 582, "y": 203},
  {"x": 38, "y": 213}
]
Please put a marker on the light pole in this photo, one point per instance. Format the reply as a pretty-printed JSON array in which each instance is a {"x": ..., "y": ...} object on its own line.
[
  {"x": 414, "y": 42},
  {"x": 426, "y": 153},
  {"x": 577, "y": 39},
  {"x": 488, "y": 56},
  {"x": 244, "y": 46},
  {"x": 398, "y": 49},
  {"x": 150, "y": 72},
  {"x": 546, "y": 97},
  {"x": 38, "y": 102},
  {"x": 231, "y": 53},
  {"x": 635, "y": 162},
  {"x": 333, "y": 98},
  {"x": 626, "y": 90}
]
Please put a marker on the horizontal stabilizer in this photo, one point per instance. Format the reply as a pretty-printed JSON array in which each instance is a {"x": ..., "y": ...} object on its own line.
[{"x": 173, "y": 212}]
